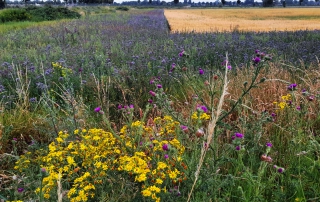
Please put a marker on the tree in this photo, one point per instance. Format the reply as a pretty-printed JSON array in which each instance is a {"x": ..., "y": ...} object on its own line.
[
  {"x": 150, "y": 1},
  {"x": 2, "y": 4},
  {"x": 267, "y": 3},
  {"x": 176, "y": 1},
  {"x": 284, "y": 3},
  {"x": 300, "y": 1},
  {"x": 238, "y": 2},
  {"x": 223, "y": 2}
]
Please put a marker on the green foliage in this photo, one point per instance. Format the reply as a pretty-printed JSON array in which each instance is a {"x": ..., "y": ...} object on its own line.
[
  {"x": 37, "y": 14},
  {"x": 48, "y": 13},
  {"x": 14, "y": 14},
  {"x": 122, "y": 8}
]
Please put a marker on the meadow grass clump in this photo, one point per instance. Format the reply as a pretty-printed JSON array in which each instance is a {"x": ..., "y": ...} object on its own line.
[{"x": 115, "y": 107}]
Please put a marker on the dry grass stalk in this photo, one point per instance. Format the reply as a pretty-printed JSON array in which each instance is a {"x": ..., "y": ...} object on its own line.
[
  {"x": 59, "y": 190},
  {"x": 243, "y": 19},
  {"x": 212, "y": 124}
]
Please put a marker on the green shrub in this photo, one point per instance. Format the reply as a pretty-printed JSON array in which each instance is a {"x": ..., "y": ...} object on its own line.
[
  {"x": 48, "y": 13},
  {"x": 14, "y": 15},
  {"x": 122, "y": 8},
  {"x": 37, "y": 14}
]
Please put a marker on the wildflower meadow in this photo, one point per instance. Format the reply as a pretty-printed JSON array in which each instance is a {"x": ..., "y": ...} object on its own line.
[{"x": 113, "y": 106}]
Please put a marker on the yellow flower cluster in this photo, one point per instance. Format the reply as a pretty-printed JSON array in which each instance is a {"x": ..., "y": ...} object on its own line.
[
  {"x": 62, "y": 70},
  {"x": 283, "y": 104},
  {"x": 201, "y": 116},
  {"x": 85, "y": 158}
]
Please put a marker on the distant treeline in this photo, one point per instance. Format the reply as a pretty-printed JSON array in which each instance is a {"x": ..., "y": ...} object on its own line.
[{"x": 37, "y": 14}]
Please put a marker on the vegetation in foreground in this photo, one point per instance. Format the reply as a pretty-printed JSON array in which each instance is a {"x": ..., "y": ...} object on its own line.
[{"x": 113, "y": 104}]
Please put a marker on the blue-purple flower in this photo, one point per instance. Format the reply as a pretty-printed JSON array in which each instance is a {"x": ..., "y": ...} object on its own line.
[
  {"x": 152, "y": 93},
  {"x": 201, "y": 71},
  {"x": 97, "y": 109},
  {"x": 165, "y": 147},
  {"x": 292, "y": 86},
  {"x": 269, "y": 144},
  {"x": 239, "y": 135},
  {"x": 20, "y": 189},
  {"x": 203, "y": 108}
]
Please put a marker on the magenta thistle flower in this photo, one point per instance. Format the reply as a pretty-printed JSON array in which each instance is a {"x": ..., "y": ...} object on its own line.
[
  {"x": 166, "y": 156},
  {"x": 311, "y": 98},
  {"x": 119, "y": 106},
  {"x": 298, "y": 108},
  {"x": 165, "y": 147},
  {"x": 203, "y": 108},
  {"x": 201, "y": 71},
  {"x": 280, "y": 170},
  {"x": 269, "y": 144},
  {"x": 20, "y": 189},
  {"x": 238, "y": 147},
  {"x": 239, "y": 135},
  {"x": 150, "y": 101},
  {"x": 256, "y": 60},
  {"x": 292, "y": 86},
  {"x": 181, "y": 53},
  {"x": 229, "y": 67},
  {"x": 97, "y": 109},
  {"x": 152, "y": 93},
  {"x": 159, "y": 86}
]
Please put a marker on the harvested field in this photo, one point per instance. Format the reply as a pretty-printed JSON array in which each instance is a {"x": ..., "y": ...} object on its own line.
[{"x": 244, "y": 19}]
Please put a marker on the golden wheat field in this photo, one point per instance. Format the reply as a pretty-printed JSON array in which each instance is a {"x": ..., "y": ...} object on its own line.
[{"x": 244, "y": 19}]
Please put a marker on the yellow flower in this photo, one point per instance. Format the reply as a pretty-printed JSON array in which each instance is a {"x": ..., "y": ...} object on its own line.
[
  {"x": 159, "y": 181},
  {"x": 161, "y": 165},
  {"x": 194, "y": 116},
  {"x": 141, "y": 178},
  {"x": 204, "y": 116},
  {"x": 146, "y": 192}
]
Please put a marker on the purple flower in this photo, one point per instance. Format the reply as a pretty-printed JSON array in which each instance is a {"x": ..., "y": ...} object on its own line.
[
  {"x": 201, "y": 72},
  {"x": 269, "y": 144},
  {"x": 229, "y": 67},
  {"x": 256, "y": 60},
  {"x": 15, "y": 139},
  {"x": 292, "y": 86},
  {"x": 166, "y": 156},
  {"x": 97, "y": 109},
  {"x": 203, "y": 108},
  {"x": 280, "y": 170},
  {"x": 119, "y": 106},
  {"x": 152, "y": 93},
  {"x": 238, "y": 147},
  {"x": 20, "y": 189},
  {"x": 159, "y": 86},
  {"x": 311, "y": 98},
  {"x": 257, "y": 51},
  {"x": 43, "y": 170},
  {"x": 131, "y": 106},
  {"x": 181, "y": 53},
  {"x": 233, "y": 137},
  {"x": 165, "y": 147},
  {"x": 151, "y": 81},
  {"x": 239, "y": 135},
  {"x": 184, "y": 127},
  {"x": 173, "y": 65},
  {"x": 273, "y": 114},
  {"x": 298, "y": 108},
  {"x": 150, "y": 101}
]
